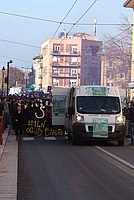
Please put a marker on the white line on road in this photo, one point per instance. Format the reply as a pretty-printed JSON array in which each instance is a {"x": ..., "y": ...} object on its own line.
[
  {"x": 116, "y": 157},
  {"x": 28, "y": 138},
  {"x": 50, "y": 138}
]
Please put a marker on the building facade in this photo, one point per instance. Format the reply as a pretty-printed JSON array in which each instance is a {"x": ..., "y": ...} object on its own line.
[{"x": 71, "y": 60}]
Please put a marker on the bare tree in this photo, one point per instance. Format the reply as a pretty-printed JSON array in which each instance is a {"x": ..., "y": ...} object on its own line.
[{"x": 117, "y": 52}]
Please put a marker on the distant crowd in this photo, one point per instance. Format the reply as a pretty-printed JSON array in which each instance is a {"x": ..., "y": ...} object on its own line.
[{"x": 14, "y": 110}]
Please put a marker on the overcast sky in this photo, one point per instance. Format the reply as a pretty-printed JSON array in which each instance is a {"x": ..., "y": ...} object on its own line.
[{"x": 25, "y": 24}]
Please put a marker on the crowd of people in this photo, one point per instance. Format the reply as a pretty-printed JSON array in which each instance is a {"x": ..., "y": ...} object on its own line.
[{"x": 15, "y": 111}]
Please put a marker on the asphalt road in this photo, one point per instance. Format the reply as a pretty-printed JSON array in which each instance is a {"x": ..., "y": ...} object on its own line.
[{"x": 57, "y": 170}]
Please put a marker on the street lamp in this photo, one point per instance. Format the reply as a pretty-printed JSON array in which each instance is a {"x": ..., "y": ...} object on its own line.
[
  {"x": 10, "y": 61},
  {"x": 3, "y": 72}
]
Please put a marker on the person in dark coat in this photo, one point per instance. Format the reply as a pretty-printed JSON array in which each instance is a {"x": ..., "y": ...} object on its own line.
[
  {"x": 131, "y": 117},
  {"x": 19, "y": 121},
  {"x": 1, "y": 108}
]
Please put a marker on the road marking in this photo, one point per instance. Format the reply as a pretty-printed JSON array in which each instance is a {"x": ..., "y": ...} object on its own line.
[
  {"x": 50, "y": 138},
  {"x": 28, "y": 138},
  {"x": 115, "y": 160},
  {"x": 116, "y": 157}
]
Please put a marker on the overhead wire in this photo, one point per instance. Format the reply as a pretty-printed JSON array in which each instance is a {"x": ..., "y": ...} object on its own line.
[
  {"x": 117, "y": 35},
  {"x": 37, "y": 19},
  {"x": 15, "y": 58},
  {"x": 111, "y": 39},
  {"x": 34, "y": 46},
  {"x": 19, "y": 43},
  {"x": 83, "y": 15},
  {"x": 64, "y": 18},
  {"x": 80, "y": 18},
  {"x": 54, "y": 21},
  {"x": 29, "y": 17},
  {"x": 57, "y": 22},
  {"x": 101, "y": 48},
  {"x": 62, "y": 22},
  {"x": 108, "y": 41}
]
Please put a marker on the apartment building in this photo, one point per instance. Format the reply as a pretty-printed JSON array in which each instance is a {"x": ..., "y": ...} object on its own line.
[{"x": 70, "y": 60}]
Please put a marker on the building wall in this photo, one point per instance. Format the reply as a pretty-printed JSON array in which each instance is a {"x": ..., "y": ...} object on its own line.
[
  {"x": 90, "y": 63},
  {"x": 71, "y": 61}
]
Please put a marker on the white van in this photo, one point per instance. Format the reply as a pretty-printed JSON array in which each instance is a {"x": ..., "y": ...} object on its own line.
[{"x": 94, "y": 113}]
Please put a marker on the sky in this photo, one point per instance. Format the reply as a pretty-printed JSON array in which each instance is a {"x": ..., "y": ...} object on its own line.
[{"x": 26, "y": 24}]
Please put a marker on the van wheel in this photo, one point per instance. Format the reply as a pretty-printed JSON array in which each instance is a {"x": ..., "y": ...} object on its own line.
[{"x": 121, "y": 142}]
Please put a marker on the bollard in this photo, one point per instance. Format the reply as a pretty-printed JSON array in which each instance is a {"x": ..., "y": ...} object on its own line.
[{"x": 1, "y": 129}]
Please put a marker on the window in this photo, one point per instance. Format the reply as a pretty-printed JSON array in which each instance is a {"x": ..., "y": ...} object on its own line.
[
  {"x": 55, "y": 81},
  {"x": 73, "y": 60},
  {"x": 73, "y": 71},
  {"x": 73, "y": 82},
  {"x": 56, "y": 59},
  {"x": 55, "y": 70},
  {"x": 123, "y": 75},
  {"x": 73, "y": 49},
  {"x": 98, "y": 105},
  {"x": 56, "y": 48}
]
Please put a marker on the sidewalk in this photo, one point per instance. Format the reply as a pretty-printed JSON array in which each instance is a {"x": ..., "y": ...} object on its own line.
[{"x": 8, "y": 166}]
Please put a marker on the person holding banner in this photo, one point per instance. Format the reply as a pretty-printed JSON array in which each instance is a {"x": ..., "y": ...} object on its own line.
[{"x": 49, "y": 114}]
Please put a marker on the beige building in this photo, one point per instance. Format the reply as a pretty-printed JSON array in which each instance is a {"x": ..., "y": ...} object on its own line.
[{"x": 71, "y": 60}]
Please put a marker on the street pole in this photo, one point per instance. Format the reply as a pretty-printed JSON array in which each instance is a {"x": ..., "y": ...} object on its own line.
[
  {"x": 3, "y": 71},
  {"x": 10, "y": 61},
  {"x": 7, "y": 77}
]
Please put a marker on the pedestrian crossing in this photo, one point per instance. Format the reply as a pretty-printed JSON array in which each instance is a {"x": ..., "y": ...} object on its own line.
[{"x": 27, "y": 138}]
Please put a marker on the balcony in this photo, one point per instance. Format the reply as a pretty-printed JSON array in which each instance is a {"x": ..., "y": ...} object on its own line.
[
  {"x": 65, "y": 65},
  {"x": 66, "y": 53},
  {"x": 55, "y": 52},
  {"x": 64, "y": 75}
]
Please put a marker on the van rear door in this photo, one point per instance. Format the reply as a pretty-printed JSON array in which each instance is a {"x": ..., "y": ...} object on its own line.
[{"x": 59, "y": 102}]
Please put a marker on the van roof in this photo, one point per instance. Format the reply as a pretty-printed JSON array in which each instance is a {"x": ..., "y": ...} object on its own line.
[{"x": 96, "y": 90}]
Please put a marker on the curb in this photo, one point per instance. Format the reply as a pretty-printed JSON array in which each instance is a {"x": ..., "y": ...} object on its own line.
[{"x": 4, "y": 140}]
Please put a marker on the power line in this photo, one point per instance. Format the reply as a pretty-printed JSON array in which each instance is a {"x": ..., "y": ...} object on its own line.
[
  {"x": 117, "y": 35},
  {"x": 19, "y": 43},
  {"x": 62, "y": 22},
  {"x": 77, "y": 21},
  {"x": 15, "y": 58},
  {"x": 28, "y": 17},
  {"x": 24, "y": 44},
  {"x": 39, "y": 47},
  {"x": 64, "y": 18},
  {"x": 83, "y": 15},
  {"x": 80, "y": 18},
  {"x": 59, "y": 22}
]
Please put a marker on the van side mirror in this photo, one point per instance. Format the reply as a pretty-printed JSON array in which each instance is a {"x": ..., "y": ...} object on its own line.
[{"x": 71, "y": 110}]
